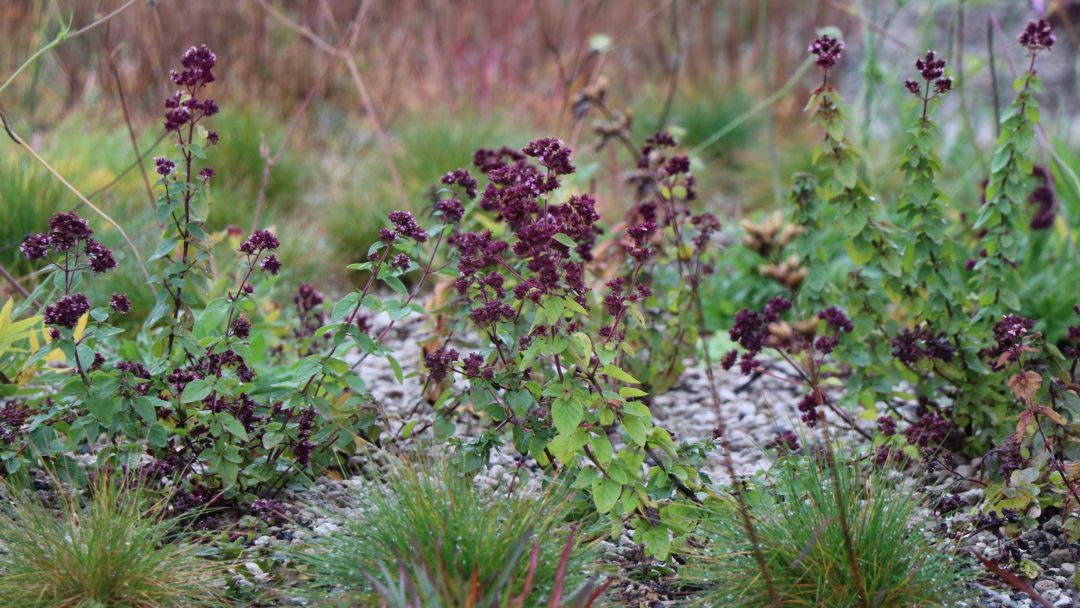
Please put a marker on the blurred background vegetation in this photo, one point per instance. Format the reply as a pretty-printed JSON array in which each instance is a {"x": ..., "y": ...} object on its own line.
[{"x": 436, "y": 79}]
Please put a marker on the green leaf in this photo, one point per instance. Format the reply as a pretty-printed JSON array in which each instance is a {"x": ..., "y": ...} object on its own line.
[
  {"x": 605, "y": 493},
  {"x": 635, "y": 429},
  {"x": 565, "y": 240},
  {"x": 619, "y": 374},
  {"x": 566, "y": 414},
  {"x": 272, "y": 439},
  {"x": 197, "y": 390},
  {"x": 233, "y": 425},
  {"x": 656, "y": 539}
]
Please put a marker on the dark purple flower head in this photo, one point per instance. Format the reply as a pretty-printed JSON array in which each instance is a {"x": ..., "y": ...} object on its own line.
[
  {"x": 462, "y": 178},
  {"x": 551, "y": 153},
  {"x": 826, "y": 344},
  {"x": 913, "y": 87},
  {"x": 174, "y": 119},
  {"x": 387, "y": 236},
  {"x": 164, "y": 166},
  {"x": 241, "y": 327},
  {"x": 439, "y": 362},
  {"x": 728, "y": 361},
  {"x": 206, "y": 174},
  {"x": 943, "y": 85},
  {"x": 405, "y": 225},
  {"x": 101, "y": 257},
  {"x": 1037, "y": 36},
  {"x": 828, "y": 51},
  {"x": 451, "y": 209},
  {"x": 67, "y": 229},
  {"x": 786, "y": 442},
  {"x": 661, "y": 139},
  {"x": 401, "y": 261},
  {"x": 749, "y": 330},
  {"x": 12, "y": 417},
  {"x": 120, "y": 303},
  {"x": 198, "y": 63},
  {"x": 258, "y": 241},
  {"x": 776, "y": 307},
  {"x": 212, "y": 137},
  {"x": 35, "y": 246},
  {"x": 930, "y": 430},
  {"x": 270, "y": 264},
  {"x": 641, "y": 233},
  {"x": 492, "y": 312},
  {"x": 837, "y": 320},
  {"x": 911, "y": 345},
  {"x": 488, "y": 160},
  {"x": 474, "y": 366},
  {"x": 677, "y": 164},
  {"x": 886, "y": 425},
  {"x": 67, "y": 311},
  {"x": 931, "y": 67}
]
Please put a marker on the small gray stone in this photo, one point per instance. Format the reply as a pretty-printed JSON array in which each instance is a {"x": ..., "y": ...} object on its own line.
[{"x": 1045, "y": 585}]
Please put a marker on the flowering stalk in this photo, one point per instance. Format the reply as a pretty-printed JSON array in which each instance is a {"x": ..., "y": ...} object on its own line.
[{"x": 1006, "y": 190}]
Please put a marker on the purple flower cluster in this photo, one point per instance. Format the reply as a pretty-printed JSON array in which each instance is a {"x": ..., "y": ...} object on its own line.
[
  {"x": 270, "y": 264},
  {"x": 259, "y": 241},
  {"x": 786, "y": 442},
  {"x": 440, "y": 363},
  {"x": 66, "y": 232},
  {"x": 184, "y": 107},
  {"x": 886, "y": 425},
  {"x": 451, "y": 209},
  {"x": 120, "y": 303},
  {"x": 932, "y": 69},
  {"x": 639, "y": 236},
  {"x": 67, "y": 311},
  {"x": 515, "y": 192},
  {"x": 552, "y": 154},
  {"x": 929, "y": 431},
  {"x": 827, "y": 50},
  {"x": 12, "y": 418},
  {"x": 751, "y": 330},
  {"x": 836, "y": 320},
  {"x": 241, "y": 327},
  {"x": 1037, "y": 36},
  {"x": 809, "y": 406},
  {"x": 1009, "y": 335},
  {"x": 404, "y": 226},
  {"x": 463, "y": 179},
  {"x": 163, "y": 166},
  {"x": 912, "y": 345}
]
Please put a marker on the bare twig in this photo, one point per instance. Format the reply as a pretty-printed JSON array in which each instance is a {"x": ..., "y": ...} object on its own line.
[
  {"x": 681, "y": 44},
  {"x": 14, "y": 282},
  {"x": 127, "y": 121}
]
